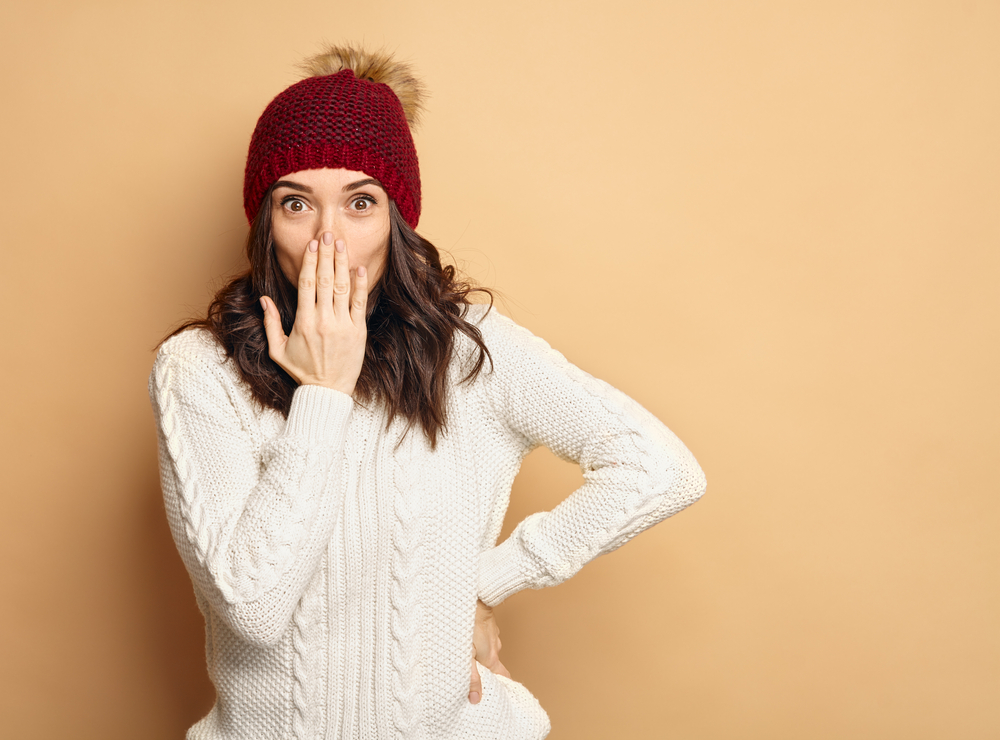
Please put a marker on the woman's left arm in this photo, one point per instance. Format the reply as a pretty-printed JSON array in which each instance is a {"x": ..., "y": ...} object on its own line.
[{"x": 636, "y": 471}]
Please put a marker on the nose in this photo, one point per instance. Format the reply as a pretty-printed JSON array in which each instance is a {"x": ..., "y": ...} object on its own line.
[{"x": 328, "y": 223}]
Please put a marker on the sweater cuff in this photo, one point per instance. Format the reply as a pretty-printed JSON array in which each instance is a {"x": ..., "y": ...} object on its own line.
[
  {"x": 318, "y": 413},
  {"x": 505, "y": 570}
]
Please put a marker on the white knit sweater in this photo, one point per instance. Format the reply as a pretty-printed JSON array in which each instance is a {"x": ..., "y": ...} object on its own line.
[{"x": 337, "y": 562}]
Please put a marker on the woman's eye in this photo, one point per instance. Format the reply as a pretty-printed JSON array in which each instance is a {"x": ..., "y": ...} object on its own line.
[
  {"x": 294, "y": 205},
  {"x": 362, "y": 203}
]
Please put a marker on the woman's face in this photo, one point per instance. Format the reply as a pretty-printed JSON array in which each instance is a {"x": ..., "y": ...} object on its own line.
[{"x": 350, "y": 205}]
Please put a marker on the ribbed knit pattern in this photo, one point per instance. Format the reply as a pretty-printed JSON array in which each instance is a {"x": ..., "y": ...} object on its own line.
[
  {"x": 335, "y": 121},
  {"x": 338, "y": 562}
]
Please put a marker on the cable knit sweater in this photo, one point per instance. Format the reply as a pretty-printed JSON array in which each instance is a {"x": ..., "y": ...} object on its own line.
[{"x": 337, "y": 562}]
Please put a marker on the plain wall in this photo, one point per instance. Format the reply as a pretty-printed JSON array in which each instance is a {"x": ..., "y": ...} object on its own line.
[{"x": 775, "y": 224}]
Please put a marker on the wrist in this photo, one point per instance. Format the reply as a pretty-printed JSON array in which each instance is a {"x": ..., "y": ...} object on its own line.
[
  {"x": 346, "y": 388},
  {"x": 317, "y": 413}
]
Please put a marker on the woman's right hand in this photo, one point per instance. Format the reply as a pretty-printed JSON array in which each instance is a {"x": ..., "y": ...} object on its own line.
[
  {"x": 327, "y": 343},
  {"x": 485, "y": 650}
]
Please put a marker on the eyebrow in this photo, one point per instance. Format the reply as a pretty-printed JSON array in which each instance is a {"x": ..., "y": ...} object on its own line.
[
  {"x": 361, "y": 184},
  {"x": 292, "y": 185},
  {"x": 346, "y": 189}
]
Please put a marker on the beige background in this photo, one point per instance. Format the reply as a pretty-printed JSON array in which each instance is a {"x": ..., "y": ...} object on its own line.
[{"x": 775, "y": 224}]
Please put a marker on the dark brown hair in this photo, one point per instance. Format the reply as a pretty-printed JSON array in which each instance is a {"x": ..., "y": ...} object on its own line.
[{"x": 414, "y": 311}]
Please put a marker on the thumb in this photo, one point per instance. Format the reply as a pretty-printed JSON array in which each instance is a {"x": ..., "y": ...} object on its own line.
[
  {"x": 475, "y": 685},
  {"x": 272, "y": 327}
]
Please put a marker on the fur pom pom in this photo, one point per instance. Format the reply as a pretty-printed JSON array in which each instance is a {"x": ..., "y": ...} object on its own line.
[{"x": 375, "y": 66}]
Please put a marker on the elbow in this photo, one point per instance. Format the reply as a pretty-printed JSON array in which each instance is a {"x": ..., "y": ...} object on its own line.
[
  {"x": 671, "y": 469},
  {"x": 692, "y": 479},
  {"x": 680, "y": 480},
  {"x": 699, "y": 484}
]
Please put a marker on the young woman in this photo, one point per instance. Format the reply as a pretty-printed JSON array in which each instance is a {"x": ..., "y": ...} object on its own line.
[{"x": 339, "y": 436}]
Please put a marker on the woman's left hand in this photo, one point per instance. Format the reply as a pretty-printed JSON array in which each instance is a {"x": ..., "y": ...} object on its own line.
[{"x": 485, "y": 649}]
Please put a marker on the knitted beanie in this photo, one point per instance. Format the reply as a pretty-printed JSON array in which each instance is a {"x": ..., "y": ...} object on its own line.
[{"x": 354, "y": 111}]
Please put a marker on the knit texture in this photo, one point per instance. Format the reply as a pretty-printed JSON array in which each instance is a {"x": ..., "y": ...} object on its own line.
[
  {"x": 335, "y": 121},
  {"x": 337, "y": 562}
]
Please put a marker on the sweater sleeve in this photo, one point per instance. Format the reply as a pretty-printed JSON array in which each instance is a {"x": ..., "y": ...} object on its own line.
[
  {"x": 636, "y": 471},
  {"x": 251, "y": 522}
]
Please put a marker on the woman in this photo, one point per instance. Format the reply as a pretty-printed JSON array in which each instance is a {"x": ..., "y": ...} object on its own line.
[{"x": 339, "y": 436}]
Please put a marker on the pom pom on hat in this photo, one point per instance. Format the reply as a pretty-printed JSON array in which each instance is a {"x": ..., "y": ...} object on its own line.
[
  {"x": 377, "y": 67},
  {"x": 347, "y": 114}
]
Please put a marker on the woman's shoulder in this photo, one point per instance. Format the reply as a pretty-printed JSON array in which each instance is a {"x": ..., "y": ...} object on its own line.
[
  {"x": 476, "y": 313},
  {"x": 189, "y": 354},
  {"x": 192, "y": 369},
  {"x": 503, "y": 335},
  {"x": 494, "y": 326},
  {"x": 494, "y": 329},
  {"x": 195, "y": 343},
  {"x": 515, "y": 353}
]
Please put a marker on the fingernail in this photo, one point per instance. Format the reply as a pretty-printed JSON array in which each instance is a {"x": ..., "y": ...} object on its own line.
[
  {"x": 313, "y": 245},
  {"x": 263, "y": 303},
  {"x": 474, "y": 697},
  {"x": 339, "y": 245},
  {"x": 362, "y": 271},
  {"x": 327, "y": 238}
]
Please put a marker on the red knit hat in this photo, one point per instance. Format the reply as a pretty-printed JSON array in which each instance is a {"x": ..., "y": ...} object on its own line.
[{"x": 346, "y": 115}]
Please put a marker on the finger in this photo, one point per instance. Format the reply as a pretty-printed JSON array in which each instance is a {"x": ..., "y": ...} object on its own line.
[
  {"x": 475, "y": 685},
  {"x": 307, "y": 279},
  {"x": 324, "y": 273},
  {"x": 341, "y": 280},
  {"x": 272, "y": 327},
  {"x": 359, "y": 301}
]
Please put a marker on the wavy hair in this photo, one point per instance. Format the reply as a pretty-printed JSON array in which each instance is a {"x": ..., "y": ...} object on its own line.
[{"x": 414, "y": 312}]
